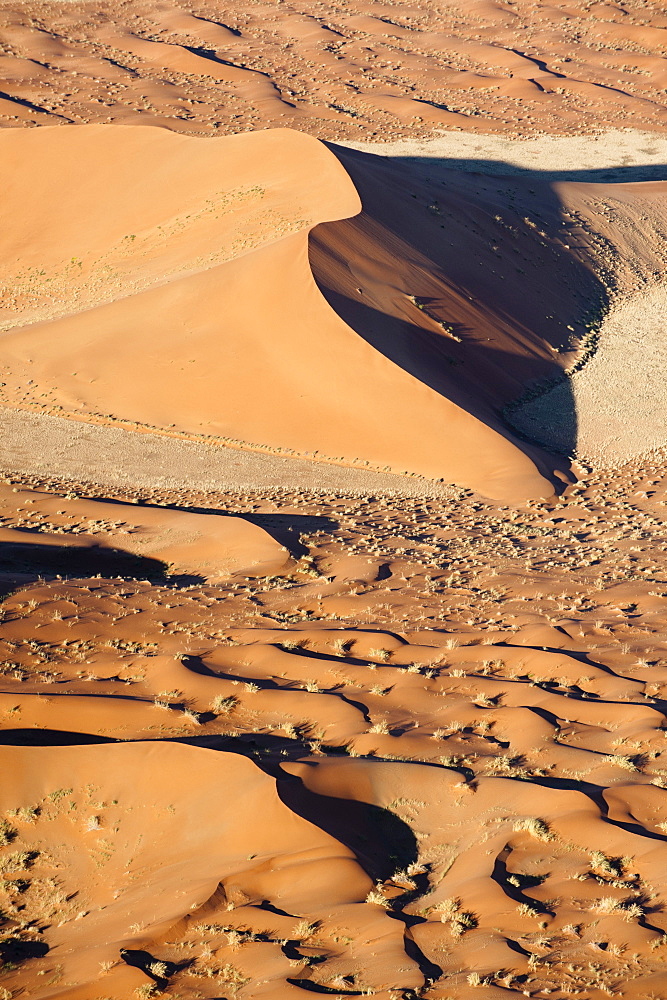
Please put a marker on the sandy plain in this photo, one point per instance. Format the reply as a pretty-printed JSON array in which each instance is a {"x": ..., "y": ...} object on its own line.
[{"x": 334, "y": 587}]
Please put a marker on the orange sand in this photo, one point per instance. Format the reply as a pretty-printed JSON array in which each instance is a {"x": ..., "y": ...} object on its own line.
[
  {"x": 421, "y": 756},
  {"x": 403, "y": 742}
]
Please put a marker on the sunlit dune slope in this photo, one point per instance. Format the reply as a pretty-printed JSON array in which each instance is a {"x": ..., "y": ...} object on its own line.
[
  {"x": 114, "y": 536},
  {"x": 200, "y": 845},
  {"x": 164, "y": 281}
]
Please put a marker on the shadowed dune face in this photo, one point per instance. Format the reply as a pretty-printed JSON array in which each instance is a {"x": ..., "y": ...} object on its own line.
[
  {"x": 490, "y": 282},
  {"x": 464, "y": 280}
]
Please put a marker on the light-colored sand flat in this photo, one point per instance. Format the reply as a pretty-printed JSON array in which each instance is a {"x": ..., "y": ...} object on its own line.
[
  {"x": 642, "y": 155},
  {"x": 39, "y": 444},
  {"x": 620, "y": 396}
]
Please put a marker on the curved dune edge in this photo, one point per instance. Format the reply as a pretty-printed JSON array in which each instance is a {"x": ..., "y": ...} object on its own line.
[
  {"x": 137, "y": 888},
  {"x": 394, "y": 863},
  {"x": 237, "y": 72},
  {"x": 206, "y": 547},
  {"x": 230, "y": 335}
]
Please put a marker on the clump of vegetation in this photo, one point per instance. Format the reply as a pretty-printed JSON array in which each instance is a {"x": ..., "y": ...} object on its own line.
[
  {"x": 376, "y": 897},
  {"x": 535, "y": 827},
  {"x": 7, "y": 833},
  {"x": 459, "y": 921},
  {"x": 146, "y": 991},
  {"x": 611, "y": 867},
  {"x": 159, "y": 969},
  {"x": 304, "y": 930},
  {"x": 222, "y": 704}
]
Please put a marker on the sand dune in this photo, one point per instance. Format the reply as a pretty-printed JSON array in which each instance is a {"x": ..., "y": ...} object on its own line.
[
  {"x": 546, "y": 286},
  {"x": 337, "y": 780},
  {"x": 202, "y": 315},
  {"x": 211, "y": 860},
  {"x": 286, "y": 705},
  {"x": 410, "y": 748},
  {"x": 361, "y": 70},
  {"x": 207, "y": 547},
  {"x": 446, "y": 300}
]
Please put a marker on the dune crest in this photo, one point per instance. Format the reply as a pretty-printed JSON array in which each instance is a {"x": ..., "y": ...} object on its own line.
[{"x": 190, "y": 306}]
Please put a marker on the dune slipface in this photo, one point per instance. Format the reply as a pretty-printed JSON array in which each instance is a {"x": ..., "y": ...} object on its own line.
[{"x": 164, "y": 282}]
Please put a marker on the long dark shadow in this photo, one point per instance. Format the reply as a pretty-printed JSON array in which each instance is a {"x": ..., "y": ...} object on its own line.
[{"x": 504, "y": 282}]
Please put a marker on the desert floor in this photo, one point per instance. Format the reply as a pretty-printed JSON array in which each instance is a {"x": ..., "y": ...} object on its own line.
[{"x": 333, "y": 576}]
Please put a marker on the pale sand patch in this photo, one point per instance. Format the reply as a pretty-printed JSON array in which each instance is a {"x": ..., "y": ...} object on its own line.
[
  {"x": 620, "y": 396},
  {"x": 43, "y": 445},
  {"x": 495, "y": 154}
]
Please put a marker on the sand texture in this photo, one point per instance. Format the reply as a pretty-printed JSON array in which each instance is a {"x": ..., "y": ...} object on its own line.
[
  {"x": 421, "y": 752},
  {"x": 353, "y": 69},
  {"x": 372, "y": 318},
  {"x": 333, "y": 573},
  {"x": 169, "y": 335}
]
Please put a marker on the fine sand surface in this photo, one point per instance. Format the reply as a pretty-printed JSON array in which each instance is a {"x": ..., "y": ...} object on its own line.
[
  {"x": 137, "y": 320},
  {"x": 356, "y": 69},
  {"x": 333, "y": 574},
  {"x": 423, "y": 753},
  {"x": 45, "y": 445},
  {"x": 299, "y": 334}
]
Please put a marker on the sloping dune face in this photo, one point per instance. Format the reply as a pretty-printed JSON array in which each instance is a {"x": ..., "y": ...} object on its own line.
[
  {"x": 228, "y": 808},
  {"x": 466, "y": 280},
  {"x": 147, "y": 857},
  {"x": 492, "y": 286},
  {"x": 202, "y": 546},
  {"x": 164, "y": 282}
]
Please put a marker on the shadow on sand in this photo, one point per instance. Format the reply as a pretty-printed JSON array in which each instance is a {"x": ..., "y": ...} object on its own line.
[{"x": 22, "y": 564}]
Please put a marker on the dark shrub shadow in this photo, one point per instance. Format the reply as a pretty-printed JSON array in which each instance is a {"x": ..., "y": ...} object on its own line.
[
  {"x": 139, "y": 959},
  {"x": 22, "y": 564},
  {"x": 15, "y": 950},
  {"x": 77, "y": 561}
]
